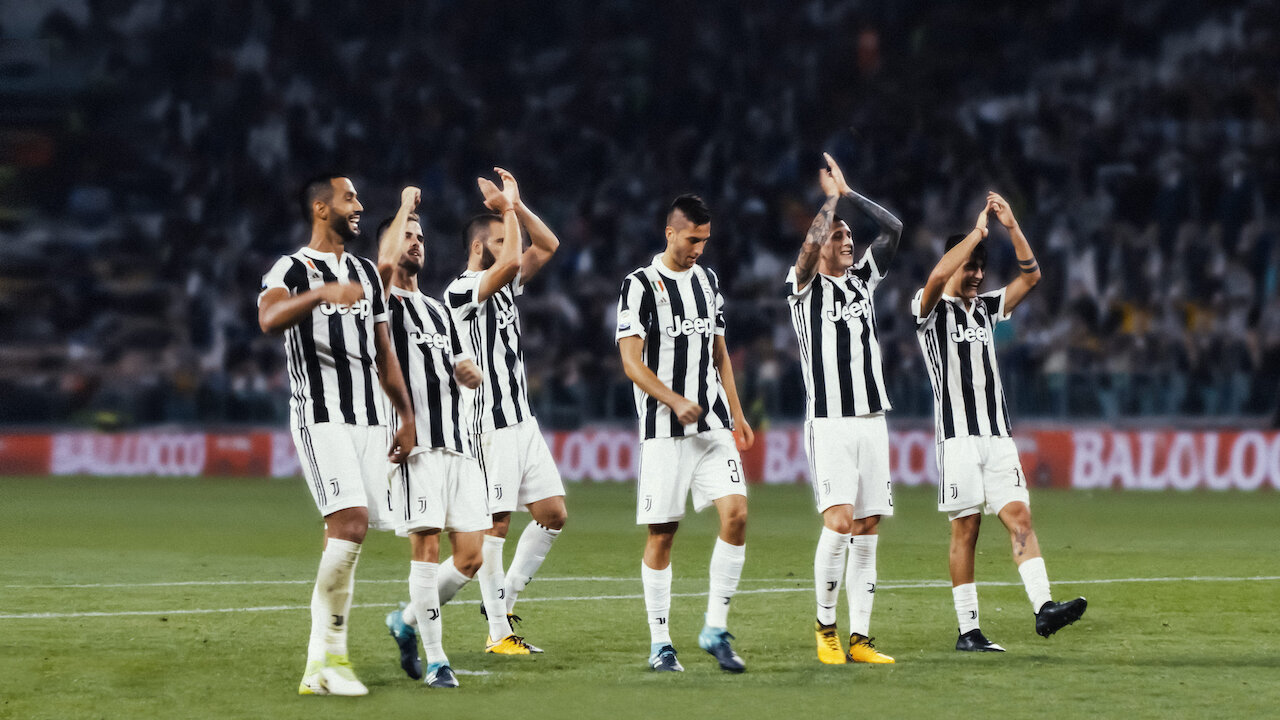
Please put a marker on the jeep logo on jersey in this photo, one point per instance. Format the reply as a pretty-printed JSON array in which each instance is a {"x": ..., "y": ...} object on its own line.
[
  {"x": 847, "y": 312},
  {"x": 362, "y": 308},
  {"x": 506, "y": 318},
  {"x": 689, "y": 326},
  {"x": 970, "y": 335},
  {"x": 436, "y": 341}
]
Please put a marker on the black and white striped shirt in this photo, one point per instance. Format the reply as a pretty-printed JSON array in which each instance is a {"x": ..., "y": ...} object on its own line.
[
  {"x": 331, "y": 355},
  {"x": 678, "y": 315},
  {"x": 490, "y": 332},
  {"x": 835, "y": 323},
  {"x": 960, "y": 351},
  {"x": 427, "y": 346}
]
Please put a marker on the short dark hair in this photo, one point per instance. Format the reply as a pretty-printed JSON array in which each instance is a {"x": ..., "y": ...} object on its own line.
[
  {"x": 317, "y": 187},
  {"x": 692, "y": 207},
  {"x": 386, "y": 223},
  {"x": 979, "y": 253},
  {"x": 472, "y": 228}
]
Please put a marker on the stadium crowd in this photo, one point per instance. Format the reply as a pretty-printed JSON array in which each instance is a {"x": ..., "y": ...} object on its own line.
[{"x": 153, "y": 149}]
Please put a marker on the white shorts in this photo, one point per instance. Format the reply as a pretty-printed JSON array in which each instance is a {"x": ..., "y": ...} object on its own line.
[
  {"x": 436, "y": 489},
  {"x": 345, "y": 467},
  {"x": 518, "y": 467},
  {"x": 849, "y": 464},
  {"x": 977, "y": 474},
  {"x": 706, "y": 464}
]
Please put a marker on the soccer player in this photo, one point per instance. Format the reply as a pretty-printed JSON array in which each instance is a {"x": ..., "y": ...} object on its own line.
[
  {"x": 518, "y": 467},
  {"x": 845, "y": 432},
  {"x": 440, "y": 486},
  {"x": 671, "y": 338},
  {"x": 978, "y": 466},
  {"x": 328, "y": 303}
]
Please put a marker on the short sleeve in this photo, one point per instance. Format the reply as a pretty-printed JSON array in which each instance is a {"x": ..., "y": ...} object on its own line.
[
  {"x": 630, "y": 300},
  {"x": 921, "y": 315},
  {"x": 462, "y": 296},
  {"x": 794, "y": 293},
  {"x": 718, "y": 299},
  {"x": 516, "y": 284},
  {"x": 276, "y": 277},
  {"x": 459, "y": 353},
  {"x": 994, "y": 302},
  {"x": 868, "y": 270},
  {"x": 379, "y": 293}
]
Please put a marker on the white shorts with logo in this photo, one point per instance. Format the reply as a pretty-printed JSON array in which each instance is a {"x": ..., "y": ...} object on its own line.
[
  {"x": 977, "y": 474},
  {"x": 518, "y": 467},
  {"x": 706, "y": 464},
  {"x": 345, "y": 467},
  {"x": 437, "y": 489},
  {"x": 849, "y": 463}
]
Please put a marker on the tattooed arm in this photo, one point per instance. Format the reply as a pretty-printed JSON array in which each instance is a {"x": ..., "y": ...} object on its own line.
[{"x": 807, "y": 262}]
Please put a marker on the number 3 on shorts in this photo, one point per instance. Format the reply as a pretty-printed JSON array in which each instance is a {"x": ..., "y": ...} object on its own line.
[{"x": 735, "y": 475}]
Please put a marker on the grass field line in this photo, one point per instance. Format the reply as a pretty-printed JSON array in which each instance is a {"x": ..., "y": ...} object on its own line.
[
  {"x": 930, "y": 584},
  {"x": 887, "y": 585}
]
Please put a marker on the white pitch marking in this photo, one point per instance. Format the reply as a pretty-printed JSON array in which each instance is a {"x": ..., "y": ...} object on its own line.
[{"x": 897, "y": 586}]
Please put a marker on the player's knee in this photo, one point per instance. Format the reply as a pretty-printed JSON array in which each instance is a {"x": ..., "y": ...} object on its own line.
[
  {"x": 734, "y": 519},
  {"x": 555, "y": 519},
  {"x": 839, "y": 524},
  {"x": 467, "y": 565}
]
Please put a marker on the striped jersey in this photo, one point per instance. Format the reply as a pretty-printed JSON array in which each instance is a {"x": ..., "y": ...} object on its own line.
[
  {"x": 835, "y": 323},
  {"x": 427, "y": 346},
  {"x": 490, "y": 332},
  {"x": 678, "y": 315},
  {"x": 960, "y": 352},
  {"x": 332, "y": 373}
]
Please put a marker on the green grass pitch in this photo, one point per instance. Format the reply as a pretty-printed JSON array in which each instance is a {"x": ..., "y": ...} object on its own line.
[{"x": 170, "y": 598}]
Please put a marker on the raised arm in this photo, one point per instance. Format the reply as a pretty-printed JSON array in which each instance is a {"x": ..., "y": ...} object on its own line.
[
  {"x": 506, "y": 265},
  {"x": 393, "y": 244},
  {"x": 819, "y": 230},
  {"x": 631, "y": 348},
  {"x": 543, "y": 243},
  {"x": 951, "y": 261},
  {"x": 1029, "y": 269},
  {"x": 885, "y": 246}
]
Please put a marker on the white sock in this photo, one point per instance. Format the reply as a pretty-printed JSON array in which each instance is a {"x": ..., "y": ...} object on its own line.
[
  {"x": 657, "y": 601},
  {"x": 450, "y": 580},
  {"x": 424, "y": 598},
  {"x": 532, "y": 549},
  {"x": 331, "y": 599},
  {"x": 726, "y": 570},
  {"x": 966, "y": 599},
  {"x": 860, "y": 581},
  {"x": 1036, "y": 580},
  {"x": 491, "y": 589},
  {"x": 828, "y": 572}
]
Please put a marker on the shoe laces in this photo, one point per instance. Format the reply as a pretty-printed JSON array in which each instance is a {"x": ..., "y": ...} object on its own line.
[
  {"x": 829, "y": 639},
  {"x": 867, "y": 641}
]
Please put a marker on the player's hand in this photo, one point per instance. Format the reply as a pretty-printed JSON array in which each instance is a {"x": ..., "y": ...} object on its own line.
[
  {"x": 687, "y": 411},
  {"x": 1000, "y": 207},
  {"x": 837, "y": 175},
  {"x": 410, "y": 197},
  {"x": 468, "y": 374},
  {"x": 981, "y": 224},
  {"x": 743, "y": 436},
  {"x": 341, "y": 293},
  {"x": 494, "y": 199},
  {"x": 827, "y": 183},
  {"x": 509, "y": 186},
  {"x": 402, "y": 444}
]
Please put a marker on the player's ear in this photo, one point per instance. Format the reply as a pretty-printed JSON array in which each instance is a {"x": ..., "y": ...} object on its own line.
[{"x": 671, "y": 233}]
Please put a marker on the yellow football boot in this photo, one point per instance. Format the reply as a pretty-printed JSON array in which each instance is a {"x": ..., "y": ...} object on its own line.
[
  {"x": 861, "y": 650},
  {"x": 509, "y": 645},
  {"x": 829, "y": 650}
]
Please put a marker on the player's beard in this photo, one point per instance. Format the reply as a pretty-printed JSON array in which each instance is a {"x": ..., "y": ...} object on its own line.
[
  {"x": 342, "y": 226},
  {"x": 486, "y": 258},
  {"x": 411, "y": 265}
]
